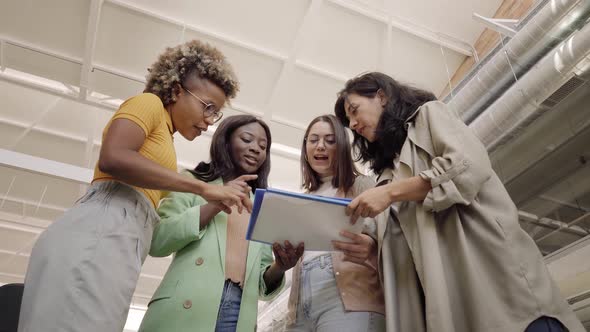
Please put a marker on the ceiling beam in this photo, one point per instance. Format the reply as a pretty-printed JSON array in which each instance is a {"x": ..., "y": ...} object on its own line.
[
  {"x": 387, "y": 45},
  {"x": 18, "y": 200},
  {"x": 578, "y": 220},
  {"x": 277, "y": 148},
  {"x": 19, "y": 223},
  {"x": 87, "y": 67},
  {"x": 224, "y": 38},
  {"x": 119, "y": 73},
  {"x": 503, "y": 26},
  {"x": 564, "y": 163},
  {"x": 21, "y": 161},
  {"x": 307, "y": 25},
  {"x": 557, "y": 257},
  {"x": 552, "y": 224},
  {"x": 91, "y": 32},
  {"x": 208, "y": 32},
  {"x": 45, "y": 51},
  {"x": 2, "y": 60},
  {"x": 89, "y": 147},
  {"x": 62, "y": 91},
  {"x": 286, "y": 122},
  {"x": 72, "y": 94},
  {"x": 320, "y": 71},
  {"x": 59, "y": 90},
  {"x": 562, "y": 202},
  {"x": 113, "y": 104}
]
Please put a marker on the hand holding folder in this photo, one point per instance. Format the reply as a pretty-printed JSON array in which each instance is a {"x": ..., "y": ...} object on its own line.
[{"x": 280, "y": 215}]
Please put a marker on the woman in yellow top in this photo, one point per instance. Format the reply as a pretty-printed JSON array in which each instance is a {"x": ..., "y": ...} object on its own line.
[{"x": 84, "y": 267}]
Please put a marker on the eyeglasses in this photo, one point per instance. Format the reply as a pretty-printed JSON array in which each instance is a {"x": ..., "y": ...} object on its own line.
[{"x": 209, "y": 108}]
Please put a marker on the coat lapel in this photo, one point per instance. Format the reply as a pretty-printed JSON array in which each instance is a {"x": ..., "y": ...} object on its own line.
[
  {"x": 419, "y": 132},
  {"x": 418, "y": 136}
]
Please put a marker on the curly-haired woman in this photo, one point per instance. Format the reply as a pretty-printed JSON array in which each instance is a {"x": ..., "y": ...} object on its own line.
[{"x": 84, "y": 267}]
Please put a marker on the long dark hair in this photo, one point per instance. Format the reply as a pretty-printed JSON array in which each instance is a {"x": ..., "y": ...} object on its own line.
[
  {"x": 222, "y": 164},
  {"x": 343, "y": 167},
  {"x": 391, "y": 133}
]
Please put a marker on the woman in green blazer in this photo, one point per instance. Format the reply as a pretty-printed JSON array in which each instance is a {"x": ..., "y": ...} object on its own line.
[{"x": 216, "y": 277}]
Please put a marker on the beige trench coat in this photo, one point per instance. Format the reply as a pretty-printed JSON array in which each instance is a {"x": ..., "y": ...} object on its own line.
[{"x": 479, "y": 271}]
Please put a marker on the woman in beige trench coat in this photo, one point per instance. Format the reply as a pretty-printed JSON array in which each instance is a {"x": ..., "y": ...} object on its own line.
[{"x": 460, "y": 259}]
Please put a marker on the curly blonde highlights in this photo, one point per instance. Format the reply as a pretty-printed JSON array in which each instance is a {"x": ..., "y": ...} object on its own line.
[{"x": 176, "y": 63}]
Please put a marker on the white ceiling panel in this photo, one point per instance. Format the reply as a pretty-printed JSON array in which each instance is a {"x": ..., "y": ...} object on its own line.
[
  {"x": 561, "y": 124},
  {"x": 423, "y": 64},
  {"x": 43, "y": 216},
  {"x": 286, "y": 133},
  {"x": 257, "y": 73},
  {"x": 147, "y": 285},
  {"x": 247, "y": 21},
  {"x": 33, "y": 188},
  {"x": 191, "y": 153},
  {"x": 451, "y": 17},
  {"x": 304, "y": 96},
  {"x": 113, "y": 85},
  {"x": 343, "y": 42},
  {"x": 156, "y": 265},
  {"x": 58, "y": 25},
  {"x": 131, "y": 41},
  {"x": 15, "y": 238},
  {"x": 51, "y": 147},
  {"x": 14, "y": 264},
  {"x": 42, "y": 65},
  {"x": 289, "y": 176}
]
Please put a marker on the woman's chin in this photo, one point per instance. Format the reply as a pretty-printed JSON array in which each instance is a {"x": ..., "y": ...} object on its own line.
[
  {"x": 248, "y": 169},
  {"x": 322, "y": 171},
  {"x": 370, "y": 138},
  {"x": 191, "y": 135}
]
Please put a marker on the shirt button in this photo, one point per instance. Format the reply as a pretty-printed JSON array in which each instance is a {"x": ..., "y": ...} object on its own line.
[
  {"x": 199, "y": 261},
  {"x": 343, "y": 293},
  {"x": 187, "y": 304},
  {"x": 337, "y": 273}
]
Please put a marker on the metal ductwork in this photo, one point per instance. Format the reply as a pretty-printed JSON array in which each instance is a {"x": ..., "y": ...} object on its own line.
[
  {"x": 548, "y": 25},
  {"x": 526, "y": 99}
]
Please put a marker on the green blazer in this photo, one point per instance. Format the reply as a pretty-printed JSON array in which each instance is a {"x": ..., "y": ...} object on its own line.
[{"x": 189, "y": 296}]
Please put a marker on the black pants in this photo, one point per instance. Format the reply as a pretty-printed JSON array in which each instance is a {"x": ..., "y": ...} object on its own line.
[{"x": 545, "y": 324}]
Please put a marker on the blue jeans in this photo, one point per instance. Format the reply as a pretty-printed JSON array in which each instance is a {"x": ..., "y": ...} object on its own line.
[
  {"x": 320, "y": 307},
  {"x": 229, "y": 308}
]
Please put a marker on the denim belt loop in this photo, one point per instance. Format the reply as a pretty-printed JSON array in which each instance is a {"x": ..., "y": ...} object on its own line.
[{"x": 322, "y": 261}]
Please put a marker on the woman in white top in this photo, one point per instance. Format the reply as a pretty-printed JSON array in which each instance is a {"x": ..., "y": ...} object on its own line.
[{"x": 338, "y": 290}]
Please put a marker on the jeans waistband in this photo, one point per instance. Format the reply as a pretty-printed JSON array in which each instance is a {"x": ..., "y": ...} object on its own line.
[
  {"x": 320, "y": 261},
  {"x": 229, "y": 286}
]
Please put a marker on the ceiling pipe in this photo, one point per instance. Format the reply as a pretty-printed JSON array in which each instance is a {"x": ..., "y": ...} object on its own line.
[
  {"x": 523, "y": 102},
  {"x": 544, "y": 27}
]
